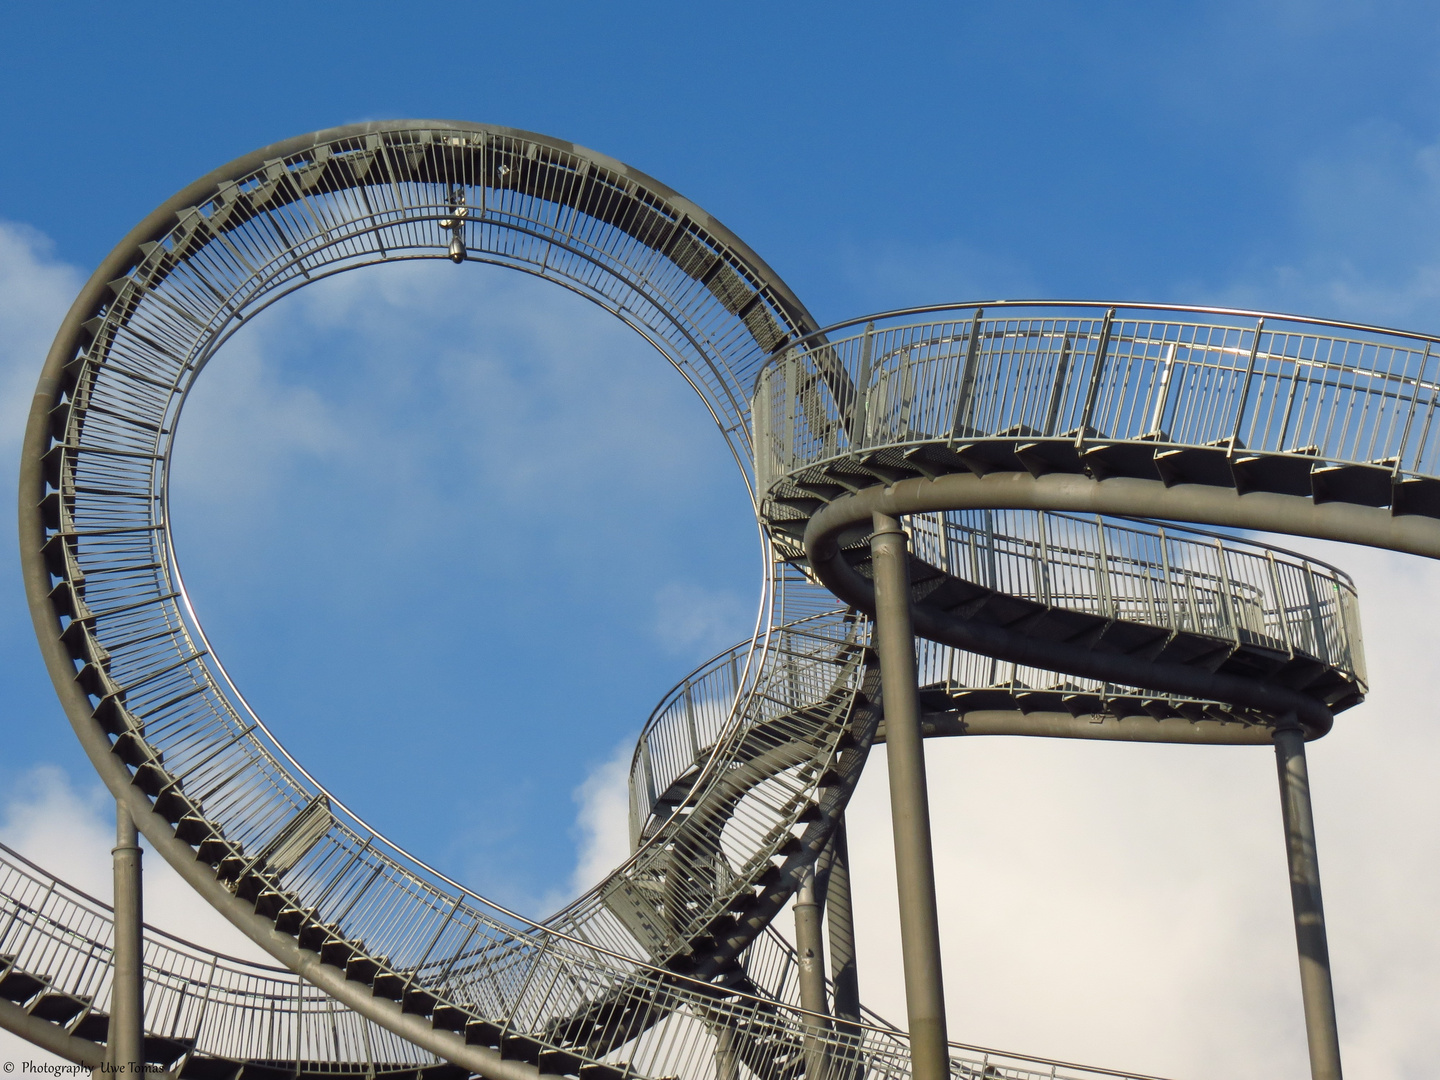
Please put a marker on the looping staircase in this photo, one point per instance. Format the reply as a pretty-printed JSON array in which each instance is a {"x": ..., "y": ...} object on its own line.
[{"x": 1031, "y": 623}]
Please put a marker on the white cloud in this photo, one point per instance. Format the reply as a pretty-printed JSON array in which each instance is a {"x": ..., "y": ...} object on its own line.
[
  {"x": 1364, "y": 238},
  {"x": 69, "y": 831},
  {"x": 690, "y": 618},
  {"x": 1119, "y": 904},
  {"x": 1128, "y": 906},
  {"x": 35, "y": 292},
  {"x": 603, "y": 819}
]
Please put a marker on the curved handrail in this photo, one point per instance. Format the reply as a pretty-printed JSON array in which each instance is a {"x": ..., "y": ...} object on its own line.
[
  {"x": 1095, "y": 373},
  {"x": 199, "y": 1003}
]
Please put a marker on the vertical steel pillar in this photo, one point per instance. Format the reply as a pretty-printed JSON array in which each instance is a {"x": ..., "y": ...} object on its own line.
[
  {"x": 727, "y": 1061},
  {"x": 1315, "y": 986},
  {"x": 126, "y": 1038},
  {"x": 909, "y": 803},
  {"x": 840, "y": 918},
  {"x": 809, "y": 947},
  {"x": 810, "y": 954}
]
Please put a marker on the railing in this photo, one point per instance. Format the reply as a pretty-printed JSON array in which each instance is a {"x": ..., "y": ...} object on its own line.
[
  {"x": 277, "y": 837},
  {"x": 1093, "y": 372},
  {"x": 1173, "y": 577},
  {"x": 211, "y": 1005},
  {"x": 206, "y": 1003},
  {"x": 685, "y": 728}
]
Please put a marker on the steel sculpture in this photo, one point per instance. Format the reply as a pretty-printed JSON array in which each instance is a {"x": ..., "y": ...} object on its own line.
[{"x": 924, "y": 467}]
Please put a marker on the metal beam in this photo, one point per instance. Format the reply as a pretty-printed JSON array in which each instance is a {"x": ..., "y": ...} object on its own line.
[
  {"x": 909, "y": 803},
  {"x": 810, "y": 954},
  {"x": 1315, "y": 986},
  {"x": 1201, "y": 504}
]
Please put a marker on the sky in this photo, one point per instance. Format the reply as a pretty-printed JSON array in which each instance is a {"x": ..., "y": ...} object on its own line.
[{"x": 455, "y": 532}]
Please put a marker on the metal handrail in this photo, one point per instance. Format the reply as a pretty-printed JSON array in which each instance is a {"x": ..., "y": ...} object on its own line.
[{"x": 1096, "y": 372}]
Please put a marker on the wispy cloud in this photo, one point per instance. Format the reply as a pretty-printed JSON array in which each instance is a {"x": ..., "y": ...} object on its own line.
[
  {"x": 1363, "y": 239},
  {"x": 69, "y": 830},
  {"x": 603, "y": 819},
  {"x": 691, "y": 619},
  {"x": 35, "y": 292}
]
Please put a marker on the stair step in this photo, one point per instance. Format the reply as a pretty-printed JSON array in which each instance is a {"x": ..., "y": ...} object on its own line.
[
  {"x": 520, "y": 1048},
  {"x": 209, "y": 1068},
  {"x": 93, "y": 1026},
  {"x": 482, "y": 1033},
  {"x": 359, "y": 967},
  {"x": 58, "y": 1008},
  {"x": 449, "y": 1018},
  {"x": 20, "y": 986},
  {"x": 560, "y": 1062},
  {"x": 388, "y": 984},
  {"x": 163, "y": 1051}
]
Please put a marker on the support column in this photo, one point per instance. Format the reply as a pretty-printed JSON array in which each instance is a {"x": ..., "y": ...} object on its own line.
[
  {"x": 727, "y": 1061},
  {"x": 1315, "y": 986},
  {"x": 909, "y": 803},
  {"x": 840, "y": 918},
  {"x": 809, "y": 947},
  {"x": 126, "y": 1038},
  {"x": 810, "y": 956}
]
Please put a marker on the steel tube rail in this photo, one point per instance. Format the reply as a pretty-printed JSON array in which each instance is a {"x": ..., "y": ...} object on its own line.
[
  {"x": 840, "y": 920},
  {"x": 60, "y": 987},
  {"x": 1239, "y": 419}
]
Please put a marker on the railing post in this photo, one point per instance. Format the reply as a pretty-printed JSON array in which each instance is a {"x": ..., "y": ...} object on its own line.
[
  {"x": 1092, "y": 391},
  {"x": 959, "y": 422},
  {"x": 909, "y": 803},
  {"x": 1315, "y": 986},
  {"x": 1410, "y": 412},
  {"x": 858, "y": 437},
  {"x": 126, "y": 1039},
  {"x": 1245, "y": 391}
]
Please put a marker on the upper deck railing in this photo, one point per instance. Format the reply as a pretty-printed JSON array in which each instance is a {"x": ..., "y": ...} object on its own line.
[{"x": 1094, "y": 372}]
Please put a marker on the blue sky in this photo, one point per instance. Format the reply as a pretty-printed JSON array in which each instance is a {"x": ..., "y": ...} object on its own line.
[{"x": 455, "y": 532}]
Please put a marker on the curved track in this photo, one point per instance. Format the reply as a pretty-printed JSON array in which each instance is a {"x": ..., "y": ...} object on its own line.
[{"x": 1099, "y": 629}]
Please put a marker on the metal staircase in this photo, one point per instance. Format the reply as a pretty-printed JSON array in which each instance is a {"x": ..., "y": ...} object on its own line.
[{"x": 970, "y": 424}]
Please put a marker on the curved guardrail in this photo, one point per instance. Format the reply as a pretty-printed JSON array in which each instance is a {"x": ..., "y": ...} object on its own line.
[
  {"x": 207, "y": 1014},
  {"x": 208, "y": 784},
  {"x": 1335, "y": 414},
  {"x": 212, "y": 1016}
]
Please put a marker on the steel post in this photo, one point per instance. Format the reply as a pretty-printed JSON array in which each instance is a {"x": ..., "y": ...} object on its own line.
[
  {"x": 727, "y": 1061},
  {"x": 840, "y": 920},
  {"x": 810, "y": 957},
  {"x": 909, "y": 802},
  {"x": 809, "y": 947},
  {"x": 1315, "y": 986},
  {"x": 126, "y": 1039}
]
